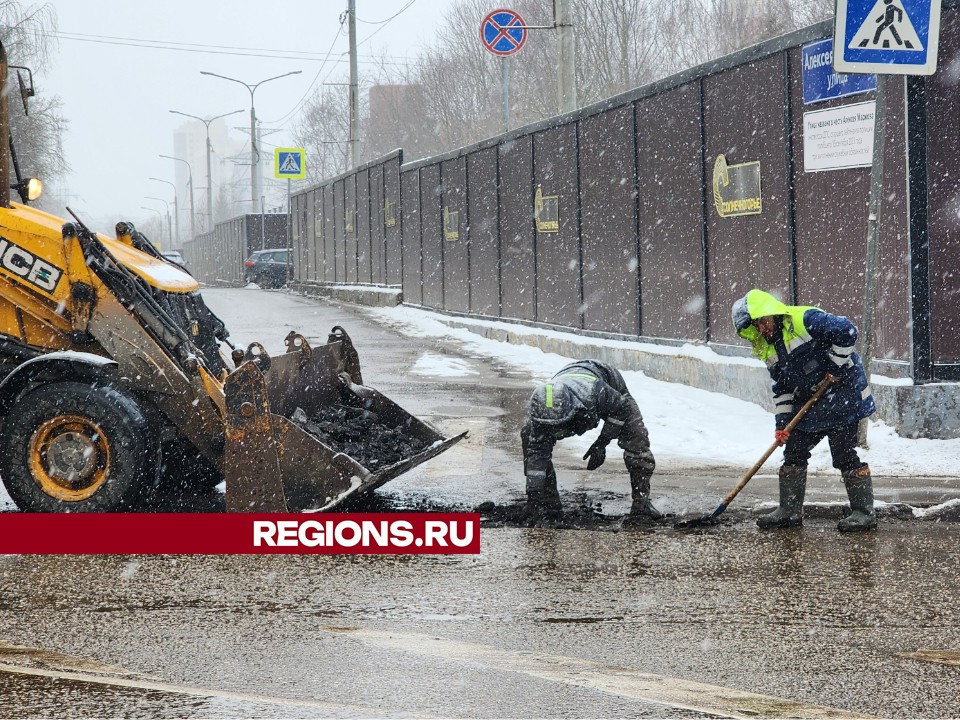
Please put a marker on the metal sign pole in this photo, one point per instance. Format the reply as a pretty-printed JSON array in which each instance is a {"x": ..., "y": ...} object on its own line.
[
  {"x": 289, "y": 232},
  {"x": 873, "y": 222},
  {"x": 505, "y": 91}
]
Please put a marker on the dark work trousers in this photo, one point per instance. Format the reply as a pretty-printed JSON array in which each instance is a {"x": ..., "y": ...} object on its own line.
[{"x": 843, "y": 447}]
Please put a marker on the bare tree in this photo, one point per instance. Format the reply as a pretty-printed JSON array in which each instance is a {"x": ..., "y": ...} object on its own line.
[
  {"x": 618, "y": 47},
  {"x": 26, "y": 32},
  {"x": 808, "y": 12},
  {"x": 450, "y": 96},
  {"x": 322, "y": 130}
]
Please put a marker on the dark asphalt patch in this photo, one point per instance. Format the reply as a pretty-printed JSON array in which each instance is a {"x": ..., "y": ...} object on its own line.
[{"x": 360, "y": 434}]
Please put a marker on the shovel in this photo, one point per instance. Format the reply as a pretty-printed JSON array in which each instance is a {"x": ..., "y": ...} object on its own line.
[{"x": 711, "y": 518}]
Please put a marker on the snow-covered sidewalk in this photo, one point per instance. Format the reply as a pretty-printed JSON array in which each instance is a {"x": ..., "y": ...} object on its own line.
[{"x": 689, "y": 428}]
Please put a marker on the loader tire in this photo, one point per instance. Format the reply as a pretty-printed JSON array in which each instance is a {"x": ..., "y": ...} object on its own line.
[{"x": 74, "y": 447}]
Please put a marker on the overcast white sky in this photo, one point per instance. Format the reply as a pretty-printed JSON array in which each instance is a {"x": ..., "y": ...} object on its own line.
[{"x": 117, "y": 92}]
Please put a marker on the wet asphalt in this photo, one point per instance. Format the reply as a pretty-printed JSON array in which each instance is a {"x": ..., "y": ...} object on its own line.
[{"x": 571, "y": 617}]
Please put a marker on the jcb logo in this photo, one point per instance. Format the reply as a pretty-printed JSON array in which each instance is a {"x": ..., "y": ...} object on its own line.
[{"x": 28, "y": 266}]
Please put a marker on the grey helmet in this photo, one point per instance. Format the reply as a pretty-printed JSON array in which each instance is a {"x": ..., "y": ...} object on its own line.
[
  {"x": 552, "y": 403},
  {"x": 741, "y": 315}
]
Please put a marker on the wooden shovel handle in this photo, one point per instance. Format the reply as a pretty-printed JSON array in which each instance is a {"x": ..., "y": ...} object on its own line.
[{"x": 817, "y": 394}]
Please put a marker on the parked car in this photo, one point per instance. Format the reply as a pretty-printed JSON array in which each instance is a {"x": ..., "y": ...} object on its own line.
[
  {"x": 174, "y": 256},
  {"x": 268, "y": 268}
]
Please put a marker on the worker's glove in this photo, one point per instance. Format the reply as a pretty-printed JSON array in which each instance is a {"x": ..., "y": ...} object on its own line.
[
  {"x": 596, "y": 454},
  {"x": 781, "y": 436}
]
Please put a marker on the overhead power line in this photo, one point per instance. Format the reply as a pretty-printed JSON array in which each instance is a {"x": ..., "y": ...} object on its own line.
[
  {"x": 216, "y": 49},
  {"x": 384, "y": 22},
  {"x": 313, "y": 82}
]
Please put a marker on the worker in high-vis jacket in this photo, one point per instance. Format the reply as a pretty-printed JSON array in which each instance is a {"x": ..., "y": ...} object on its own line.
[
  {"x": 801, "y": 345},
  {"x": 576, "y": 400}
]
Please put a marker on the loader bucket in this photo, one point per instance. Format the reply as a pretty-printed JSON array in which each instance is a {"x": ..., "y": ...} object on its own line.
[{"x": 285, "y": 417}]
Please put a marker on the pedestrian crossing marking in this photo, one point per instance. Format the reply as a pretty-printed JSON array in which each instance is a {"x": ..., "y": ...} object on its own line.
[{"x": 887, "y": 27}]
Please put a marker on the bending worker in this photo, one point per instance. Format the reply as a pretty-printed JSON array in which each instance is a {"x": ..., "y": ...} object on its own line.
[
  {"x": 574, "y": 401},
  {"x": 801, "y": 345}
]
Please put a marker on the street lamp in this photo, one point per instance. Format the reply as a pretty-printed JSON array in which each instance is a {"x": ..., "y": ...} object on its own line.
[
  {"x": 169, "y": 228},
  {"x": 193, "y": 229},
  {"x": 254, "y": 151},
  {"x": 176, "y": 210},
  {"x": 209, "y": 183},
  {"x": 144, "y": 207}
]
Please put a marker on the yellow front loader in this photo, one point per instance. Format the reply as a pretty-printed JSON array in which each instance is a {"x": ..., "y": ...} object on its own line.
[{"x": 112, "y": 379}]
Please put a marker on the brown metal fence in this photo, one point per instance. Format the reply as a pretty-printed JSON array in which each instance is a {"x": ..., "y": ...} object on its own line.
[
  {"x": 604, "y": 221},
  {"x": 217, "y": 256}
]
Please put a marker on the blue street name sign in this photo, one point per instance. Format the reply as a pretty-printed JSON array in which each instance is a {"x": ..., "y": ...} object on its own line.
[
  {"x": 822, "y": 82},
  {"x": 887, "y": 36}
]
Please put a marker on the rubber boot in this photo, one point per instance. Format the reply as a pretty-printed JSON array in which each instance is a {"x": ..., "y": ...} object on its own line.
[
  {"x": 793, "y": 486},
  {"x": 860, "y": 493},
  {"x": 641, "y": 510},
  {"x": 543, "y": 497}
]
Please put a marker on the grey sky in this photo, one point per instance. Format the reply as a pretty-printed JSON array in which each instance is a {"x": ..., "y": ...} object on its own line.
[{"x": 117, "y": 93}]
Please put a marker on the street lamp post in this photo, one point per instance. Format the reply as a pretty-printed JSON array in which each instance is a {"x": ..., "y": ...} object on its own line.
[
  {"x": 176, "y": 211},
  {"x": 169, "y": 225},
  {"x": 160, "y": 214},
  {"x": 193, "y": 228},
  {"x": 209, "y": 182},
  {"x": 254, "y": 149}
]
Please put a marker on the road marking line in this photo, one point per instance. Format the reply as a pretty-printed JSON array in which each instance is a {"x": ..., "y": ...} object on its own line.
[
  {"x": 60, "y": 661},
  {"x": 944, "y": 657},
  {"x": 620, "y": 681},
  {"x": 118, "y": 677}
]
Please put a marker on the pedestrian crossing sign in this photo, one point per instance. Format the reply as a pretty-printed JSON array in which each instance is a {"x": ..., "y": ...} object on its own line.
[
  {"x": 886, "y": 36},
  {"x": 289, "y": 163}
]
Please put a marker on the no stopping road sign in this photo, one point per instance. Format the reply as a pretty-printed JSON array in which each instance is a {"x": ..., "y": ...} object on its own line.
[{"x": 503, "y": 32}]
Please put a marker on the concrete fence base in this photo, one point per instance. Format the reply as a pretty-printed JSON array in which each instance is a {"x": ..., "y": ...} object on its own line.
[{"x": 372, "y": 295}]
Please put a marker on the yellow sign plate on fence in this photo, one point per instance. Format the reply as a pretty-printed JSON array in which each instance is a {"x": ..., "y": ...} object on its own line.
[{"x": 289, "y": 163}]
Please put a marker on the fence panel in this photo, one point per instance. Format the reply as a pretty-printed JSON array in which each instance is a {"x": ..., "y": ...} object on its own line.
[
  {"x": 431, "y": 224},
  {"x": 456, "y": 240},
  {"x": 670, "y": 187},
  {"x": 943, "y": 154},
  {"x": 331, "y": 247},
  {"x": 362, "y": 226},
  {"x": 608, "y": 220},
  {"x": 377, "y": 258},
  {"x": 315, "y": 234},
  {"x": 518, "y": 267},
  {"x": 411, "y": 247},
  {"x": 557, "y": 236},
  {"x": 392, "y": 220},
  {"x": 483, "y": 213},
  {"x": 750, "y": 250},
  {"x": 351, "y": 249}
]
